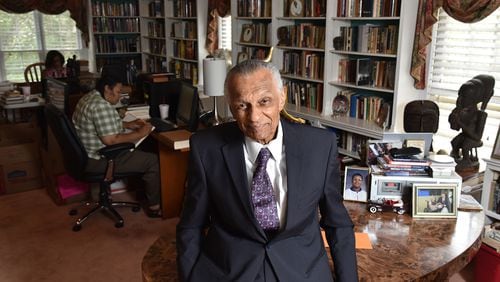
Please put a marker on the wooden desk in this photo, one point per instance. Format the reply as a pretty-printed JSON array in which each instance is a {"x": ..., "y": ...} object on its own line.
[
  {"x": 173, "y": 171},
  {"x": 404, "y": 249}
]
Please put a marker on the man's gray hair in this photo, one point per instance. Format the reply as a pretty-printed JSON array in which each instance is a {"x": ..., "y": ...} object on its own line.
[{"x": 251, "y": 66}]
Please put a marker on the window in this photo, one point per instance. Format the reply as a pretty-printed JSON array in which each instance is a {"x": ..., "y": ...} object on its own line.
[
  {"x": 459, "y": 52},
  {"x": 26, "y": 38},
  {"x": 224, "y": 30}
]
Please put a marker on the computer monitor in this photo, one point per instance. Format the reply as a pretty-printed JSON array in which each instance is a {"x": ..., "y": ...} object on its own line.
[{"x": 187, "y": 106}]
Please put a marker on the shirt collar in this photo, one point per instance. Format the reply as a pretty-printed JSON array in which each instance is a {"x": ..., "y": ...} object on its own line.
[{"x": 275, "y": 146}]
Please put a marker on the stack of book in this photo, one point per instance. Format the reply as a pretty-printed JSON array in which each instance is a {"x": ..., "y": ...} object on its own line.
[
  {"x": 12, "y": 97},
  {"x": 6, "y": 86},
  {"x": 442, "y": 165},
  {"x": 408, "y": 166}
]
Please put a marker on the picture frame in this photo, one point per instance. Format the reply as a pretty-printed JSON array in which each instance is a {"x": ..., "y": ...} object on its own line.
[
  {"x": 247, "y": 33},
  {"x": 434, "y": 200},
  {"x": 296, "y": 8},
  {"x": 356, "y": 177},
  {"x": 242, "y": 56},
  {"x": 495, "y": 154}
]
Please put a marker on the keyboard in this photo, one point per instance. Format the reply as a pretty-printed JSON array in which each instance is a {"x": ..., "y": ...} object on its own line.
[{"x": 162, "y": 125}]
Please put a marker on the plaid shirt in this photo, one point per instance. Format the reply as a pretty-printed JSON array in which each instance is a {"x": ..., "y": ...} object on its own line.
[{"x": 95, "y": 117}]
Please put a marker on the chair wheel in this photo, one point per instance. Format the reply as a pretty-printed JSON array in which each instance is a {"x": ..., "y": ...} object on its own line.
[
  {"x": 73, "y": 212},
  {"x": 77, "y": 227},
  {"x": 136, "y": 209},
  {"x": 119, "y": 224}
]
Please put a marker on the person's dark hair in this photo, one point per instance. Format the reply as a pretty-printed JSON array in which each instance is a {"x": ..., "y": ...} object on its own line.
[
  {"x": 251, "y": 66},
  {"x": 108, "y": 80},
  {"x": 51, "y": 55}
]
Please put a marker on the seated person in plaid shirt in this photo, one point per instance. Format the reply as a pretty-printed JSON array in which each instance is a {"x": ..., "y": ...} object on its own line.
[{"x": 98, "y": 124}]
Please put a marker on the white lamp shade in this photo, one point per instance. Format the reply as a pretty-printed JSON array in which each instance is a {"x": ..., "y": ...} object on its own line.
[{"x": 214, "y": 75}]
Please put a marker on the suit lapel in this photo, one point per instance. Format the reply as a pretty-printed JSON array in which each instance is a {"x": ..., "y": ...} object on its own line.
[
  {"x": 234, "y": 158},
  {"x": 293, "y": 171}
]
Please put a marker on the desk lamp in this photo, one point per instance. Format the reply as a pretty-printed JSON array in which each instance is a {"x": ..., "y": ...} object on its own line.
[{"x": 214, "y": 75}]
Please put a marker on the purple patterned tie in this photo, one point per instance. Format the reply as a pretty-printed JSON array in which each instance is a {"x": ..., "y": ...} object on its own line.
[{"x": 263, "y": 199}]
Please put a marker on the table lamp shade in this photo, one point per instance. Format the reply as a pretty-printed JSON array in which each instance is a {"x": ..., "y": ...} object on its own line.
[{"x": 214, "y": 75}]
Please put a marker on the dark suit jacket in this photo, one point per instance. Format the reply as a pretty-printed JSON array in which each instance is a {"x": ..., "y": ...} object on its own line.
[{"x": 218, "y": 236}]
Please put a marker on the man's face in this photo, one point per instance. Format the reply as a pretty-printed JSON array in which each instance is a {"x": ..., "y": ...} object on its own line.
[
  {"x": 255, "y": 103},
  {"x": 357, "y": 181},
  {"x": 112, "y": 94}
]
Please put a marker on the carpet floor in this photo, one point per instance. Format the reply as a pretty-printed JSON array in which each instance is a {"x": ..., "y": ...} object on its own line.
[{"x": 37, "y": 242}]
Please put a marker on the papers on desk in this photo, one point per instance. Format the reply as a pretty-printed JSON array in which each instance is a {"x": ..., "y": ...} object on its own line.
[
  {"x": 139, "y": 112},
  {"x": 128, "y": 118}
]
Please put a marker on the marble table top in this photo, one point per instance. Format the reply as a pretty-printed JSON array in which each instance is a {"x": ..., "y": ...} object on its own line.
[{"x": 404, "y": 248}]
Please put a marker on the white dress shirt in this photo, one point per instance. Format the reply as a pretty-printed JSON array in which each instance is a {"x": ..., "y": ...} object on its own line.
[{"x": 276, "y": 168}]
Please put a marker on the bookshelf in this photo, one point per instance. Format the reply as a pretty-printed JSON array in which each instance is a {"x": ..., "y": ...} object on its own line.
[
  {"x": 153, "y": 35},
  {"x": 116, "y": 32},
  {"x": 252, "y": 21},
  {"x": 306, "y": 38},
  {"x": 185, "y": 23},
  {"x": 491, "y": 189}
]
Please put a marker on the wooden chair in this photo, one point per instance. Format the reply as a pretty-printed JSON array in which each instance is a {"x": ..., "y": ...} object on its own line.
[{"x": 33, "y": 72}]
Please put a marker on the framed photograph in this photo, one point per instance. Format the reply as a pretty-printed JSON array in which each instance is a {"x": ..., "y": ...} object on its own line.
[
  {"x": 495, "y": 154},
  {"x": 247, "y": 33},
  {"x": 356, "y": 184},
  {"x": 434, "y": 200},
  {"x": 242, "y": 56},
  {"x": 296, "y": 8}
]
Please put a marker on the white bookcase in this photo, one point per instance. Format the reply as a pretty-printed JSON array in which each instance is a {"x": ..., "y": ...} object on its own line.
[
  {"x": 401, "y": 93},
  {"x": 153, "y": 35},
  {"x": 185, "y": 32},
  {"x": 489, "y": 193}
]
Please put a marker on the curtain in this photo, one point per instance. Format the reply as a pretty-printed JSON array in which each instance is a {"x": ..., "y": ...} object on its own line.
[
  {"x": 77, "y": 9},
  {"x": 216, "y": 8},
  {"x": 467, "y": 11}
]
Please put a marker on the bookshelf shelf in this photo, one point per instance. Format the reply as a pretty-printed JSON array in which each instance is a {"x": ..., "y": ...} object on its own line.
[
  {"x": 354, "y": 53},
  {"x": 116, "y": 33},
  {"x": 115, "y": 17},
  {"x": 296, "y": 77},
  {"x": 154, "y": 37},
  {"x": 182, "y": 18},
  {"x": 183, "y": 38},
  {"x": 301, "y": 18},
  {"x": 253, "y": 44},
  {"x": 300, "y": 48},
  {"x": 253, "y": 18},
  {"x": 349, "y": 85},
  {"x": 183, "y": 59},
  {"x": 117, "y": 54},
  {"x": 155, "y": 55},
  {"x": 366, "y": 18}
]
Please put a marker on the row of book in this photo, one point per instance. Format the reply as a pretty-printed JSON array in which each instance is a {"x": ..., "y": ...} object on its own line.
[
  {"x": 370, "y": 38},
  {"x": 122, "y": 59},
  {"x": 184, "y": 30},
  {"x": 254, "y": 8},
  {"x": 410, "y": 166},
  {"x": 185, "y": 70},
  {"x": 156, "y": 29},
  {"x": 11, "y": 97},
  {"x": 184, "y": 8},
  {"x": 368, "y": 8},
  {"x": 113, "y": 44},
  {"x": 155, "y": 64},
  {"x": 115, "y": 8},
  {"x": 305, "y": 94},
  {"x": 185, "y": 49},
  {"x": 115, "y": 25},
  {"x": 367, "y": 72},
  {"x": 305, "y": 64},
  {"x": 310, "y": 8},
  {"x": 258, "y": 53},
  {"x": 156, "y": 8},
  {"x": 256, "y": 33},
  {"x": 304, "y": 35},
  {"x": 363, "y": 105},
  {"x": 348, "y": 141},
  {"x": 157, "y": 47}
]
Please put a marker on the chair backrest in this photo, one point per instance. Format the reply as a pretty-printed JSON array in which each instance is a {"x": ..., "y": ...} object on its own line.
[
  {"x": 33, "y": 72},
  {"x": 74, "y": 154}
]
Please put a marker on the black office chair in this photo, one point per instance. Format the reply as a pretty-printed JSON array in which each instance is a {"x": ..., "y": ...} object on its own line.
[{"x": 75, "y": 161}]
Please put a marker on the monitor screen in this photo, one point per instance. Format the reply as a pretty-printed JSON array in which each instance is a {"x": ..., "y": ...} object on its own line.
[{"x": 187, "y": 107}]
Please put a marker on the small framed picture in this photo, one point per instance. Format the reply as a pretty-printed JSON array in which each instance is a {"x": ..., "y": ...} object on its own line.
[
  {"x": 296, "y": 8},
  {"x": 434, "y": 200},
  {"x": 495, "y": 154},
  {"x": 356, "y": 184},
  {"x": 242, "y": 56},
  {"x": 247, "y": 33}
]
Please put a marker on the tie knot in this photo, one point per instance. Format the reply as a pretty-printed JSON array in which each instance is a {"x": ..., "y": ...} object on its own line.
[{"x": 263, "y": 156}]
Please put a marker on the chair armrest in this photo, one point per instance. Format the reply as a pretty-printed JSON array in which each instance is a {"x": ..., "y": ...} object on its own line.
[{"x": 110, "y": 152}]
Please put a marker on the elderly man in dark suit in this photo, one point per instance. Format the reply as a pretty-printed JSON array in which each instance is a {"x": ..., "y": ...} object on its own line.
[{"x": 254, "y": 189}]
